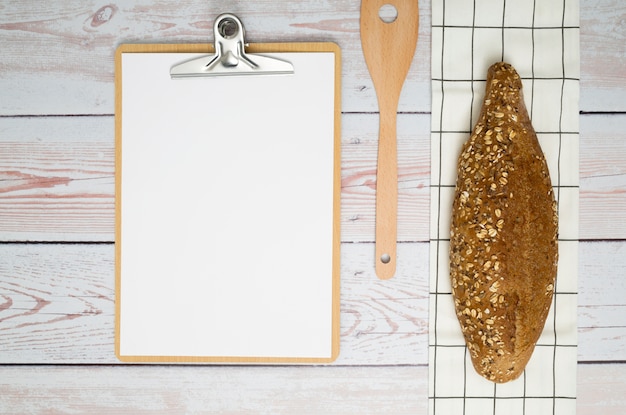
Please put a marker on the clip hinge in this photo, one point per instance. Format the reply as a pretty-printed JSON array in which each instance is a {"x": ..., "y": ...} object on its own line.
[{"x": 230, "y": 57}]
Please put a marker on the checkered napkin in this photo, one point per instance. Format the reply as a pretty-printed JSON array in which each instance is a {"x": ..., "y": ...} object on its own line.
[{"x": 540, "y": 39}]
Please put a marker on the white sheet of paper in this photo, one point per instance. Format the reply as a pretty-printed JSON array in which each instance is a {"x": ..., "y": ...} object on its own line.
[{"x": 227, "y": 210}]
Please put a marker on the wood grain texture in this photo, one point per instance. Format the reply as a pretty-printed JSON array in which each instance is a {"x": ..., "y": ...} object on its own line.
[
  {"x": 66, "y": 48},
  {"x": 262, "y": 390},
  {"x": 388, "y": 48},
  {"x": 81, "y": 37},
  {"x": 57, "y": 305},
  {"x": 56, "y": 184},
  {"x": 57, "y": 178},
  {"x": 603, "y": 55},
  {"x": 602, "y": 176},
  {"x": 62, "y": 311},
  {"x": 204, "y": 390}
]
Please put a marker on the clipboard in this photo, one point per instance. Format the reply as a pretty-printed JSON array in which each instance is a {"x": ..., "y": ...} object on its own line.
[{"x": 228, "y": 201}]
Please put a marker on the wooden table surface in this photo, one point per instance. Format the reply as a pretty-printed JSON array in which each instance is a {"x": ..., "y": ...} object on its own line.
[{"x": 57, "y": 218}]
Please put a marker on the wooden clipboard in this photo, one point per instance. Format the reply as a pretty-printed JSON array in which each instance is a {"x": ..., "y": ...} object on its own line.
[{"x": 227, "y": 212}]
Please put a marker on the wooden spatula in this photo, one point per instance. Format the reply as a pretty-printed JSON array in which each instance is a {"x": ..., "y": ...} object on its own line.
[{"x": 388, "y": 50}]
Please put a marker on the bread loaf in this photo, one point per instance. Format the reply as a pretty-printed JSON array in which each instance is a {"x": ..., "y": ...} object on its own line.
[{"x": 503, "y": 238}]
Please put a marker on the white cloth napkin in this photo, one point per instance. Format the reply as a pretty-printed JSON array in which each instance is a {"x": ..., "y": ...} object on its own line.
[{"x": 540, "y": 38}]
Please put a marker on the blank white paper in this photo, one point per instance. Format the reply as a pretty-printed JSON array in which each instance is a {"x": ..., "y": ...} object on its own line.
[{"x": 227, "y": 210}]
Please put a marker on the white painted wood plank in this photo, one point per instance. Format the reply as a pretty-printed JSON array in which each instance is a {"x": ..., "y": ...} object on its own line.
[
  {"x": 263, "y": 390},
  {"x": 603, "y": 176},
  {"x": 202, "y": 390},
  {"x": 602, "y": 289},
  {"x": 358, "y": 182},
  {"x": 384, "y": 320},
  {"x": 603, "y": 55},
  {"x": 59, "y": 60},
  {"x": 57, "y": 179},
  {"x": 57, "y": 183},
  {"x": 66, "y": 49},
  {"x": 79, "y": 39},
  {"x": 57, "y": 304},
  {"x": 601, "y": 389}
]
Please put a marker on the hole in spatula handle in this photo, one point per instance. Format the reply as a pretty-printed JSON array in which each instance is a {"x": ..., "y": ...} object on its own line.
[{"x": 388, "y": 13}]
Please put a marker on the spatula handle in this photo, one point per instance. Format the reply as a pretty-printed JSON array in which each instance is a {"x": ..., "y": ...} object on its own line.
[{"x": 386, "y": 196}]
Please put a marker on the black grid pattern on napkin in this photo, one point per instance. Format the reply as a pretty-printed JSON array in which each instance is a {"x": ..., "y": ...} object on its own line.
[{"x": 540, "y": 38}]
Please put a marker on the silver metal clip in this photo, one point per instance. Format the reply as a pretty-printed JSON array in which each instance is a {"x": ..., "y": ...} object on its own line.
[{"x": 230, "y": 57}]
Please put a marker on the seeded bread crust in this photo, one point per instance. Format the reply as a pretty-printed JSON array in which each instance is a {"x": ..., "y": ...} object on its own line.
[{"x": 503, "y": 238}]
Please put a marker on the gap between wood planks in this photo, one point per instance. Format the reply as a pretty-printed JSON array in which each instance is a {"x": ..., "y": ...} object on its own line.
[
  {"x": 342, "y": 242},
  {"x": 54, "y": 115},
  {"x": 57, "y": 242},
  {"x": 343, "y": 112}
]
